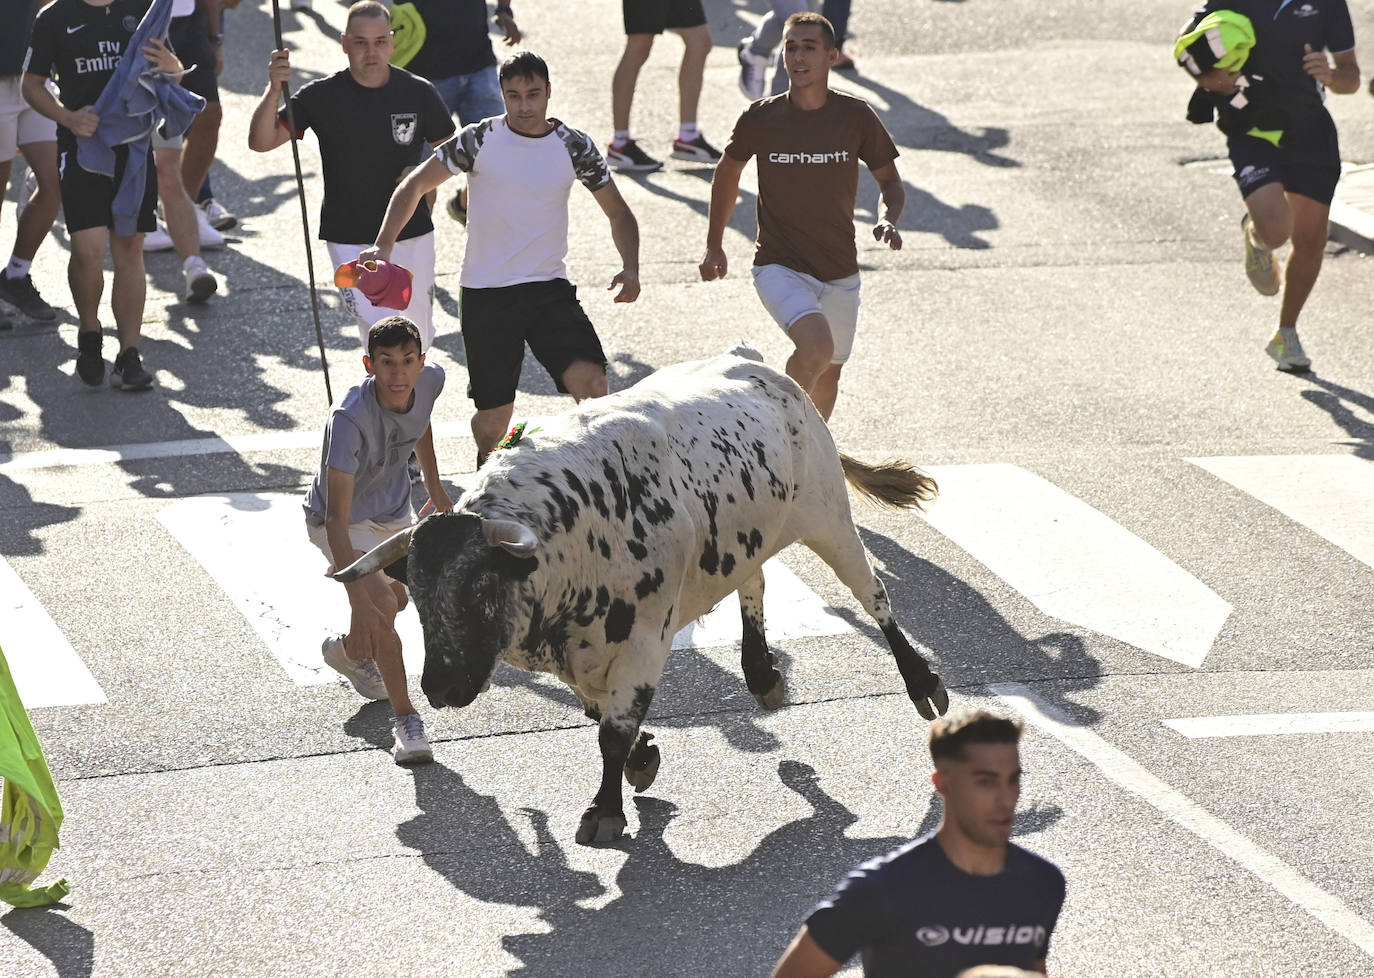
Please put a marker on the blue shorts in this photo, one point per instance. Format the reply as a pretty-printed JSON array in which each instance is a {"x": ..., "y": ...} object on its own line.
[{"x": 473, "y": 97}]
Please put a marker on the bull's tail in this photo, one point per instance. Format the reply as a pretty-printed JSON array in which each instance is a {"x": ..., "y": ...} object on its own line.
[{"x": 896, "y": 484}]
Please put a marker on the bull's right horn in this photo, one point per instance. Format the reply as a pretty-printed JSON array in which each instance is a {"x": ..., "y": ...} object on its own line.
[
  {"x": 516, "y": 538},
  {"x": 387, "y": 552}
]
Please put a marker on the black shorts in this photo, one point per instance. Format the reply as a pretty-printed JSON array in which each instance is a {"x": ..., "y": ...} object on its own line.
[
  {"x": 87, "y": 197},
  {"x": 497, "y": 323},
  {"x": 1310, "y": 167},
  {"x": 656, "y": 16},
  {"x": 193, "y": 47}
]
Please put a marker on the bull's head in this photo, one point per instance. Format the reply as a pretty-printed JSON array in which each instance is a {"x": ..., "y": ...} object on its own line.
[{"x": 464, "y": 574}]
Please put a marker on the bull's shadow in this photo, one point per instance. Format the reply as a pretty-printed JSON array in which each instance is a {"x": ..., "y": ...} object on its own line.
[
  {"x": 970, "y": 641},
  {"x": 69, "y": 946}
]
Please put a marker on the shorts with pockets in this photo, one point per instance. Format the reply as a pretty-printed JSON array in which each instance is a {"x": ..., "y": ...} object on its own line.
[
  {"x": 497, "y": 323},
  {"x": 20, "y": 125},
  {"x": 788, "y": 295},
  {"x": 87, "y": 197},
  {"x": 363, "y": 535},
  {"x": 657, "y": 16}
]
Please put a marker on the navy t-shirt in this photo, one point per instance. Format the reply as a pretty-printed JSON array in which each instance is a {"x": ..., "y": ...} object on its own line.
[
  {"x": 457, "y": 41},
  {"x": 914, "y": 913}
]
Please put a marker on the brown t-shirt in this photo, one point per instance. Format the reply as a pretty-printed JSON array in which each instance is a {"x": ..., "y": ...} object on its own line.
[{"x": 809, "y": 177}]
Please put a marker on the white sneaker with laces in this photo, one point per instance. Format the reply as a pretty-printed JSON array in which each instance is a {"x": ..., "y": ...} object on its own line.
[
  {"x": 209, "y": 237},
  {"x": 412, "y": 747},
  {"x": 219, "y": 216},
  {"x": 753, "y": 70},
  {"x": 364, "y": 676},
  {"x": 200, "y": 284},
  {"x": 1260, "y": 268},
  {"x": 158, "y": 240}
]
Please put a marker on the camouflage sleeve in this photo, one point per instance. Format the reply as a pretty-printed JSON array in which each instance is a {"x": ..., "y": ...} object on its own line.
[
  {"x": 588, "y": 163},
  {"x": 460, "y": 153}
]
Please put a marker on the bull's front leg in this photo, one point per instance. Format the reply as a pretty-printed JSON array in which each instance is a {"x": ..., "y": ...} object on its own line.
[{"x": 634, "y": 679}]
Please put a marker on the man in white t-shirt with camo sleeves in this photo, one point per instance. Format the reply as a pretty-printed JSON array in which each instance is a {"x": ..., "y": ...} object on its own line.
[{"x": 521, "y": 167}]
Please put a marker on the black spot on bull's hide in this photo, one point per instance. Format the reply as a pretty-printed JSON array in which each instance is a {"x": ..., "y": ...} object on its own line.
[
  {"x": 710, "y": 554},
  {"x": 562, "y": 507},
  {"x": 619, "y": 620},
  {"x": 648, "y": 585},
  {"x": 637, "y": 550},
  {"x": 751, "y": 543},
  {"x": 727, "y": 564}
]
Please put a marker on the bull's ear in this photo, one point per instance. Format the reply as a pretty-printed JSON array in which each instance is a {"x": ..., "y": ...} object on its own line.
[{"x": 513, "y": 537}]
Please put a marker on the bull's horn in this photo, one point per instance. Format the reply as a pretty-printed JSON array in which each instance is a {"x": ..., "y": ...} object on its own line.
[
  {"x": 516, "y": 538},
  {"x": 387, "y": 552}
]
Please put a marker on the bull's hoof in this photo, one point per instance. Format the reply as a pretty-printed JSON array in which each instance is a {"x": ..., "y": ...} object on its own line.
[
  {"x": 598, "y": 826},
  {"x": 772, "y": 699},
  {"x": 938, "y": 699},
  {"x": 642, "y": 766}
]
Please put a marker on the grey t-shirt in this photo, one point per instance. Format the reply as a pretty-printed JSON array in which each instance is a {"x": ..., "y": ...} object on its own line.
[{"x": 371, "y": 443}]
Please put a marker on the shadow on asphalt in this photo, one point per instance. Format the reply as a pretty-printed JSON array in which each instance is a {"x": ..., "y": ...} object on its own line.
[
  {"x": 1339, "y": 402},
  {"x": 69, "y": 946},
  {"x": 971, "y": 643}
]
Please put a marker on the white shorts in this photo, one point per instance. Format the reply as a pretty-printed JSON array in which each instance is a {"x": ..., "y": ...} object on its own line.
[
  {"x": 20, "y": 125},
  {"x": 363, "y": 535},
  {"x": 788, "y": 295},
  {"x": 415, "y": 254}
]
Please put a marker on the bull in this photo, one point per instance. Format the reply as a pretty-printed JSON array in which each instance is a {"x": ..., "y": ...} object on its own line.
[{"x": 582, "y": 548}]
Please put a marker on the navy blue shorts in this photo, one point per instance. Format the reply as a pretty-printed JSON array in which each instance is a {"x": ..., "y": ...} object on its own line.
[
  {"x": 1311, "y": 167},
  {"x": 497, "y": 323},
  {"x": 657, "y": 16}
]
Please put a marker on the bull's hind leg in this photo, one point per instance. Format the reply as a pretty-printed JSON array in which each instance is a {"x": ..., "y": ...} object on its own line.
[
  {"x": 758, "y": 663},
  {"x": 845, "y": 554}
]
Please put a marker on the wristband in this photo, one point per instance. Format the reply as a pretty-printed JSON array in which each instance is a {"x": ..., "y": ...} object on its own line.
[{"x": 502, "y": 8}]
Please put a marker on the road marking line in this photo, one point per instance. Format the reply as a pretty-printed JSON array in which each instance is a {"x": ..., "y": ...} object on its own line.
[
  {"x": 1074, "y": 563},
  {"x": 1331, "y": 495},
  {"x": 1272, "y": 724},
  {"x": 46, "y": 669},
  {"x": 254, "y": 546},
  {"x": 1127, "y": 773}
]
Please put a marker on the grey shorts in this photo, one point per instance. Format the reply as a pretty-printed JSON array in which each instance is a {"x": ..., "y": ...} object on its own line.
[{"x": 788, "y": 295}]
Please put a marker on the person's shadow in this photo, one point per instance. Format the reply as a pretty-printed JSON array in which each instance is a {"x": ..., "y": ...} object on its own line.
[
  {"x": 1339, "y": 402},
  {"x": 69, "y": 946}
]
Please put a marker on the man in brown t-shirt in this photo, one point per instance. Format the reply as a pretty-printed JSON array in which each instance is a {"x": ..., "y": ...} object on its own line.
[{"x": 809, "y": 142}]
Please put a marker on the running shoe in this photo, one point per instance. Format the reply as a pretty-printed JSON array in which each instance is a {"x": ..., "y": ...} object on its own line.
[
  {"x": 365, "y": 676},
  {"x": 90, "y": 362},
  {"x": 753, "y": 70},
  {"x": 412, "y": 747},
  {"x": 629, "y": 158},
  {"x": 200, "y": 284},
  {"x": 697, "y": 150},
  {"x": 1259, "y": 263},
  {"x": 219, "y": 216},
  {"x": 128, "y": 373},
  {"x": 209, "y": 237},
  {"x": 1287, "y": 352},
  {"x": 20, "y": 293}
]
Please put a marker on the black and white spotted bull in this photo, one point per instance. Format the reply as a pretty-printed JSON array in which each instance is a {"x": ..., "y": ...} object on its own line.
[{"x": 581, "y": 549}]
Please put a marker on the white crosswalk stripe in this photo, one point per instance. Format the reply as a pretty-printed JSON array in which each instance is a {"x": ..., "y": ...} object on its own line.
[{"x": 46, "y": 669}]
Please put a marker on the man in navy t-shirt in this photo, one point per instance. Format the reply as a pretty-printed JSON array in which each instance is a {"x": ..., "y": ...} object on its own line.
[{"x": 960, "y": 897}]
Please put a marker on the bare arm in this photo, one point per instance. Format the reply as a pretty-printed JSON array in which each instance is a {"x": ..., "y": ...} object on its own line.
[
  {"x": 804, "y": 957},
  {"x": 893, "y": 200},
  {"x": 429, "y": 468},
  {"x": 625, "y": 234},
  {"x": 82, "y": 122},
  {"x": 1340, "y": 74},
  {"x": 265, "y": 132},
  {"x": 404, "y": 199},
  {"x": 724, "y": 193}
]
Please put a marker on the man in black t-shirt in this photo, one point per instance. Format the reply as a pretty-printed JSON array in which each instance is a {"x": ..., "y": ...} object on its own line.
[
  {"x": 1280, "y": 138},
  {"x": 960, "y": 897},
  {"x": 373, "y": 122},
  {"x": 80, "y": 43}
]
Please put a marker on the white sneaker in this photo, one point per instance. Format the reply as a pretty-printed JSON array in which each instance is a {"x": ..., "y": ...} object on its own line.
[
  {"x": 158, "y": 240},
  {"x": 753, "y": 70},
  {"x": 1259, "y": 263},
  {"x": 1287, "y": 352},
  {"x": 412, "y": 747},
  {"x": 364, "y": 676},
  {"x": 209, "y": 237},
  {"x": 219, "y": 216},
  {"x": 200, "y": 284}
]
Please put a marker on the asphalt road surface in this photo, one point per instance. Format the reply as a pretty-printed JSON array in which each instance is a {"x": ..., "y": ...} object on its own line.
[{"x": 1151, "y": 545}]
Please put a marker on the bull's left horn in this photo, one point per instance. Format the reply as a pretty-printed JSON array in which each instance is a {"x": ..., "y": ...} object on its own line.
[{"x": 387, "y": 552}]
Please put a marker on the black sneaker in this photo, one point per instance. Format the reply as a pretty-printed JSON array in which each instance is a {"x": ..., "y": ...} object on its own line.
[
  {"x": 90, "y": 363},
  {"x": 20, "y": 293},
  {"x": 627, "y": 156},
  {"x": 697, "y": 150},
  {"x": 128, "y": 373}
]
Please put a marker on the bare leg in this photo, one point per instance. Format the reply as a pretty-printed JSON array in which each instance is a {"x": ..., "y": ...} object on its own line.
[
  {"x": 86, "y": 275},
  {"x": 637, "y": 47},
  {"x": 199, "y": 152},
  {"x": 489, "y": 426},
  {"x": 177, "y": 209},
  {"x": 585, "y": 379},
  {"x": 814, "y": 348},
  {"x": 130, "y": 288},
  {"x": 698, "y": 46},
  {"x": 1305, "y": 260},
  {"x": 827, "y": 389},
  {"x": 41, "y": 212}
]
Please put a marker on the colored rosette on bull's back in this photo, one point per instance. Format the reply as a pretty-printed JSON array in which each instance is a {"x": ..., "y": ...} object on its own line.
[
  {"x": 386, "y": 285},
  {"x": 30, "y": 812}
]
